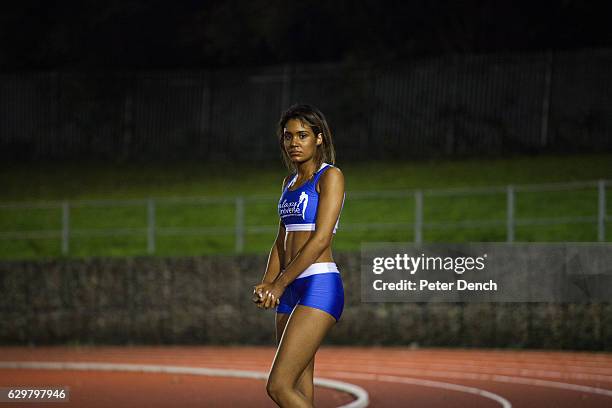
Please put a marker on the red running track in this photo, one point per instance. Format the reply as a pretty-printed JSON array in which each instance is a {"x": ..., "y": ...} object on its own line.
[{"x": 393, "y": 377}]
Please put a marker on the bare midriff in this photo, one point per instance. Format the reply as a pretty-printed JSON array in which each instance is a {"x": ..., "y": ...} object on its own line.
[{"x": 295, "y": 241}]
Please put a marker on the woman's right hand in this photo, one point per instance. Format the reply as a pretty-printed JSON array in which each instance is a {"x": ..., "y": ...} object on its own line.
[
  {"x": 257, "y": 296},
  {"x": 262, "y": 296}
]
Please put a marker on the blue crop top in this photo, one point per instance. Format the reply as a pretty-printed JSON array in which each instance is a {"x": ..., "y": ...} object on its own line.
[{"x": 298, "y": 209}]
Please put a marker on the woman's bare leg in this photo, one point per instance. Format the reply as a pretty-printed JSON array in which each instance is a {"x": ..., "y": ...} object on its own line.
[
  {"x": 306, "y": 382},
  {"x": 303, "y": 334}
]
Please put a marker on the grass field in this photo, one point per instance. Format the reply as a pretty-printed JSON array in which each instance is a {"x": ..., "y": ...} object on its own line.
[{"x": 260, "y": 186}]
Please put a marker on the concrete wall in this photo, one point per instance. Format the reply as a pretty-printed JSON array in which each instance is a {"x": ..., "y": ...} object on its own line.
[{"x": 206, "y": 300}]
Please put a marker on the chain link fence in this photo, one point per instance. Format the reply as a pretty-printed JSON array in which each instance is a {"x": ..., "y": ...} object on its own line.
[{"x": 446, "y": 106}]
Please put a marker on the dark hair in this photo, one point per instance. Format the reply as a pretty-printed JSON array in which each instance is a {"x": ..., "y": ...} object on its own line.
[{"x": 312, "y": 117}]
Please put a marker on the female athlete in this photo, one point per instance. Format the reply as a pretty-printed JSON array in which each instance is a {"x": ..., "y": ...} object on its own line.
[{"x": 301, "y": 279}]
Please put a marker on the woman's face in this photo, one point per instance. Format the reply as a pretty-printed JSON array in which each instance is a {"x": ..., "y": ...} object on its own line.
[{"x": 299, "y": 141}]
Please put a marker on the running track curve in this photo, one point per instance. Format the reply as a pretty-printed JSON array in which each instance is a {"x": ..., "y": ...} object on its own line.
[{"x": 392, "y": 377}]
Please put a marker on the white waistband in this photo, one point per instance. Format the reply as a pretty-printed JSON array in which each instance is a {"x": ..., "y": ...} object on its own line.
[
  {"x": 305, "y": 227},
  {"x": 319, "y": 267}
]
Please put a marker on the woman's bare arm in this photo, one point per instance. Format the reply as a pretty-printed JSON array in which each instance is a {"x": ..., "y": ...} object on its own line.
[
  {"x": 275, "y": 259},
  {"x": 277, "y": 252}
]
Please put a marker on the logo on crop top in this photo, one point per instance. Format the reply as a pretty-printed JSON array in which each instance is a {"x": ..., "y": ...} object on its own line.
[
  {"x": 303, "y": 199},
  {"x": 292, "y": 208}
]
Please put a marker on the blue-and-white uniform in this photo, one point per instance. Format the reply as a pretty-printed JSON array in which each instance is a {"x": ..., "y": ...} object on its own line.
[{"x": 319, "y": 285}]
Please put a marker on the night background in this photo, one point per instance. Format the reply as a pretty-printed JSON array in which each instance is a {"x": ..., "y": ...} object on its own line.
[
  {"x": 140, "y": 173},
  {"x": 52, "y": 35},
  {"x": 149, "y": 82}
]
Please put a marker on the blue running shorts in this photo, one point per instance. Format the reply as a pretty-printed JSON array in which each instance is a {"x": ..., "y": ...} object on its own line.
[{"x": 322, "y": 291}]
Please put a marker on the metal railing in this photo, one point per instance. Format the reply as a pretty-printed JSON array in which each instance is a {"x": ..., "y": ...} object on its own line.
[{"x": 240, "y": 229}]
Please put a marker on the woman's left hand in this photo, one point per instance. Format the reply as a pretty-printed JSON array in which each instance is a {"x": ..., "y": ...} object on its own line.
[{"x": 270, "y": 294}]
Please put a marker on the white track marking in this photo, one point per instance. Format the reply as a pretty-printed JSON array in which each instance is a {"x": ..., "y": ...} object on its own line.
[
  {"x": 493, "y": 368},
  {"x": 463, "y": 363},
  {"x": 398, "y": 369},
  {"x": 486, "y": 370},
  {"x": 361, "y": 395},
  {"x": 424, "y": 383},
  {"x": 486, "y": 377},
  {"x": 375, "y": 365},
  {"x": 467, "y": 376},
  {"x": 595, "y": 364}
]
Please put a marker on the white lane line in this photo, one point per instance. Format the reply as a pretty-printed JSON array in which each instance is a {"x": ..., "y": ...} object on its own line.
[
  {"x": 424, "y": 383},
  {"x": 361, "y": 395},
  {"x": 564, "y": 365},
  {"x": 553, "y": 384},
  {"x": 486, "y": 370},
  {"x": 594, "y": 358},
  {"x": 483, "y": 377},
  {"x": 493, "y": 369},
  {"x": 508, "y": 356},
  {"x": 517, "y": 366}
]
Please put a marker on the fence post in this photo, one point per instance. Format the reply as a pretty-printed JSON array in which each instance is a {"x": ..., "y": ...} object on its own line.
[
  {"x": 546, "y": 100},
  {"x": 510, "y": 213},
  {"x": 65, "y": 228},
  {"x": 151, "y": 226},
  {"x": 128, "y": 118},
  {"x": 239, "y": 224},
  {"x": 418, "y": 217},
  {"x": 601, "y": 211}
]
